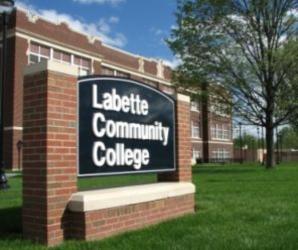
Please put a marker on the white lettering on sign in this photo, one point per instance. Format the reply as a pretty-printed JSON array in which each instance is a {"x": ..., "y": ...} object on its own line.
[
  {"x": 101, "y": 127},
  {"x": 119, "y": 156},
  {"x": 125, "y": 130},
  {"x": 113, "y": 102}
]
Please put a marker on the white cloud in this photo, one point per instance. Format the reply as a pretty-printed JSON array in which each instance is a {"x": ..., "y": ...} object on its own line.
[
  {"x": 112, "y": 2},
  {"x": 157, "y": 32},
  {"x": 114, "y": 19},
  {"x": 99, "y": 29},
  {"x": 172, "y": 63},
  {"x": 293, "y": 12}
]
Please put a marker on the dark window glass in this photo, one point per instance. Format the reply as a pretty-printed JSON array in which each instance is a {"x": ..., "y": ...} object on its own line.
[
  {"x": 33, "y": 59},
  {"x": 34, "y": 48},
  {"x": 45, "y": 51},
  {"x": 57, "y": 54},
  {"x": 66, "y": 57}
]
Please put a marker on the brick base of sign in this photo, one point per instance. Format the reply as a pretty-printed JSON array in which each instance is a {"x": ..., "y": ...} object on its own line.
[
  {"x": 53, "y": 210},
  {"x": 98, "y": 224}
]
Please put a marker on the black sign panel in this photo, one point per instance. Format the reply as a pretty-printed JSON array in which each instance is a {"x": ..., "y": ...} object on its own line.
[{"x": 124, "y": 127}]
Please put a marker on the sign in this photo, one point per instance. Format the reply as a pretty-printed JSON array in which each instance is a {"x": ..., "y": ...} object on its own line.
[{"x": 124, "y": 127}]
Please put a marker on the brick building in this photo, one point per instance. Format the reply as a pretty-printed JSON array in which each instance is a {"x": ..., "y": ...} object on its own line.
[{"x": 32, "y": 39}]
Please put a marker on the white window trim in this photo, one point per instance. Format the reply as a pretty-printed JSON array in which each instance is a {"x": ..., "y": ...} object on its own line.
[
  {"x": 168, "y": 91},
  {"x": 38, "y": 54},
  {"x": 223, "y": 129},
  {"x": 60, "y": 60},
  {"x": 196, "y": 154},
  {"x": 55, "y": 46},
  {"x": 80, "y": 66},
  {"x": 87, "y": 56},
  {"x": 192, "y": 131},
  {"x": 51, "y": 57},
  {"x": 221, "y": 154},
  {"x": 194, "y": 106}
]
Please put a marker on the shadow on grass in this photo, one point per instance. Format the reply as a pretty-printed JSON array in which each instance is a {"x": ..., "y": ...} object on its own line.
[{"x": 10, "y": 222}]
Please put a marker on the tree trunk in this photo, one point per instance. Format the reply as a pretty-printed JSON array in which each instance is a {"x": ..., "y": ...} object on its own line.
[
  {"x": 269, "y": 147},
  {"x": 270, "y": 128}
]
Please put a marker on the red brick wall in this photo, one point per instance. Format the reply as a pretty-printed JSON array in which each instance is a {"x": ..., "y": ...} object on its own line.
[
  {"x": 21, "y": 61},
  {"x": 183, "y": 145},
  {"x": 8, "y": 89},
  {"x": 63, "y": 35},
  {"x": 215, "y": 146},
  {"x": 99, "y": 224},
  {"x": 97, "y": 68},
  {"x": 249, "y": 155},
  {"x": 198, "y": 147},
  {"x": 13, "y": 101},
  {"x": 218, "y": 144},
  {"x": 60, "y": 35},
  {"x": 119, "y": 58},
  {"x": 8, "y": 85},
  {"x": 216, "y": 119},
  {"x": 49, "y": 170}
]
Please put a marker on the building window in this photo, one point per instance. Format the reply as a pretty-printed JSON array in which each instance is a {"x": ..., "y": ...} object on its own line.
[
  {"x": 83, "y": 64},
  {"x": 196, "y": 154},
  {"x": 122, "y": 74},
  {"x": 107, "y": 71},
  {"x": 38, "y": 53},
  {"x": 151, "y": 83},
  {"x": 167, "y": 90},
  {"x": 112, "y": 72},
  {"x": 220, "y": 132},
  {"x": 195, "y": 106},
  {"x": 195, "y": 129},
  {"x": 220, "y": 154},
  {"x": 61, "y": 56}
]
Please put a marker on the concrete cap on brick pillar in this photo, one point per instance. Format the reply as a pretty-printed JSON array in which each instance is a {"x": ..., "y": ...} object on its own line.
[
  {"x": 183, "y": 98},
  {"x": 52, "y": 66},
  {"x": 122, "y": 196}
]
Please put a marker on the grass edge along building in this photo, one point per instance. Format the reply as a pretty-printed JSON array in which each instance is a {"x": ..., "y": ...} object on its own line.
[{"x": 32, "y": 39}]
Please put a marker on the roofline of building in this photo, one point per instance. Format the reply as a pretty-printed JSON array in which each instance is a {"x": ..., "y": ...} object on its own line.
[{"x": 35, "y": 16}]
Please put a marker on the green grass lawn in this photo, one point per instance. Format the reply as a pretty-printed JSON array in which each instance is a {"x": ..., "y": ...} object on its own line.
[{"x": 239, "y": 207}]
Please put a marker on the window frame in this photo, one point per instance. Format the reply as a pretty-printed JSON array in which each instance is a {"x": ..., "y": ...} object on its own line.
[
  {"x": 38, "y": 54},
  {"x": 220, "y": 132},
  {"x": 81, "y": 67},
  {"x": 221, "y": 154},
  {"x": 196, "y": 154},
  {"x": 193, "y": 129},
  {"x": 194, "y": 106}
]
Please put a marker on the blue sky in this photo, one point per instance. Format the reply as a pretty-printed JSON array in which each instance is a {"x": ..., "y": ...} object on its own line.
[{"x": 137, "y": 26}]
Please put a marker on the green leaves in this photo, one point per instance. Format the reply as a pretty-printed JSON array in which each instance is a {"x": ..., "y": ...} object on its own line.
[{"x": 249, "y": 47}]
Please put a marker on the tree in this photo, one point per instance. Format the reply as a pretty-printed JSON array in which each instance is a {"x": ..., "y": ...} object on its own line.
[
  {"x": 288, "y": 138},
  {"x": 247, "y": 140},
  {"x": 250, "y": 48}
]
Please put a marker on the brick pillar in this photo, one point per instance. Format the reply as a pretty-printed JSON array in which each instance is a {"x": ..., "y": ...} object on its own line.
[
  {"x": 49, "y": 170},
  {"x": 96, "y": 68},
  {"x": 183, "y": 143}
]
